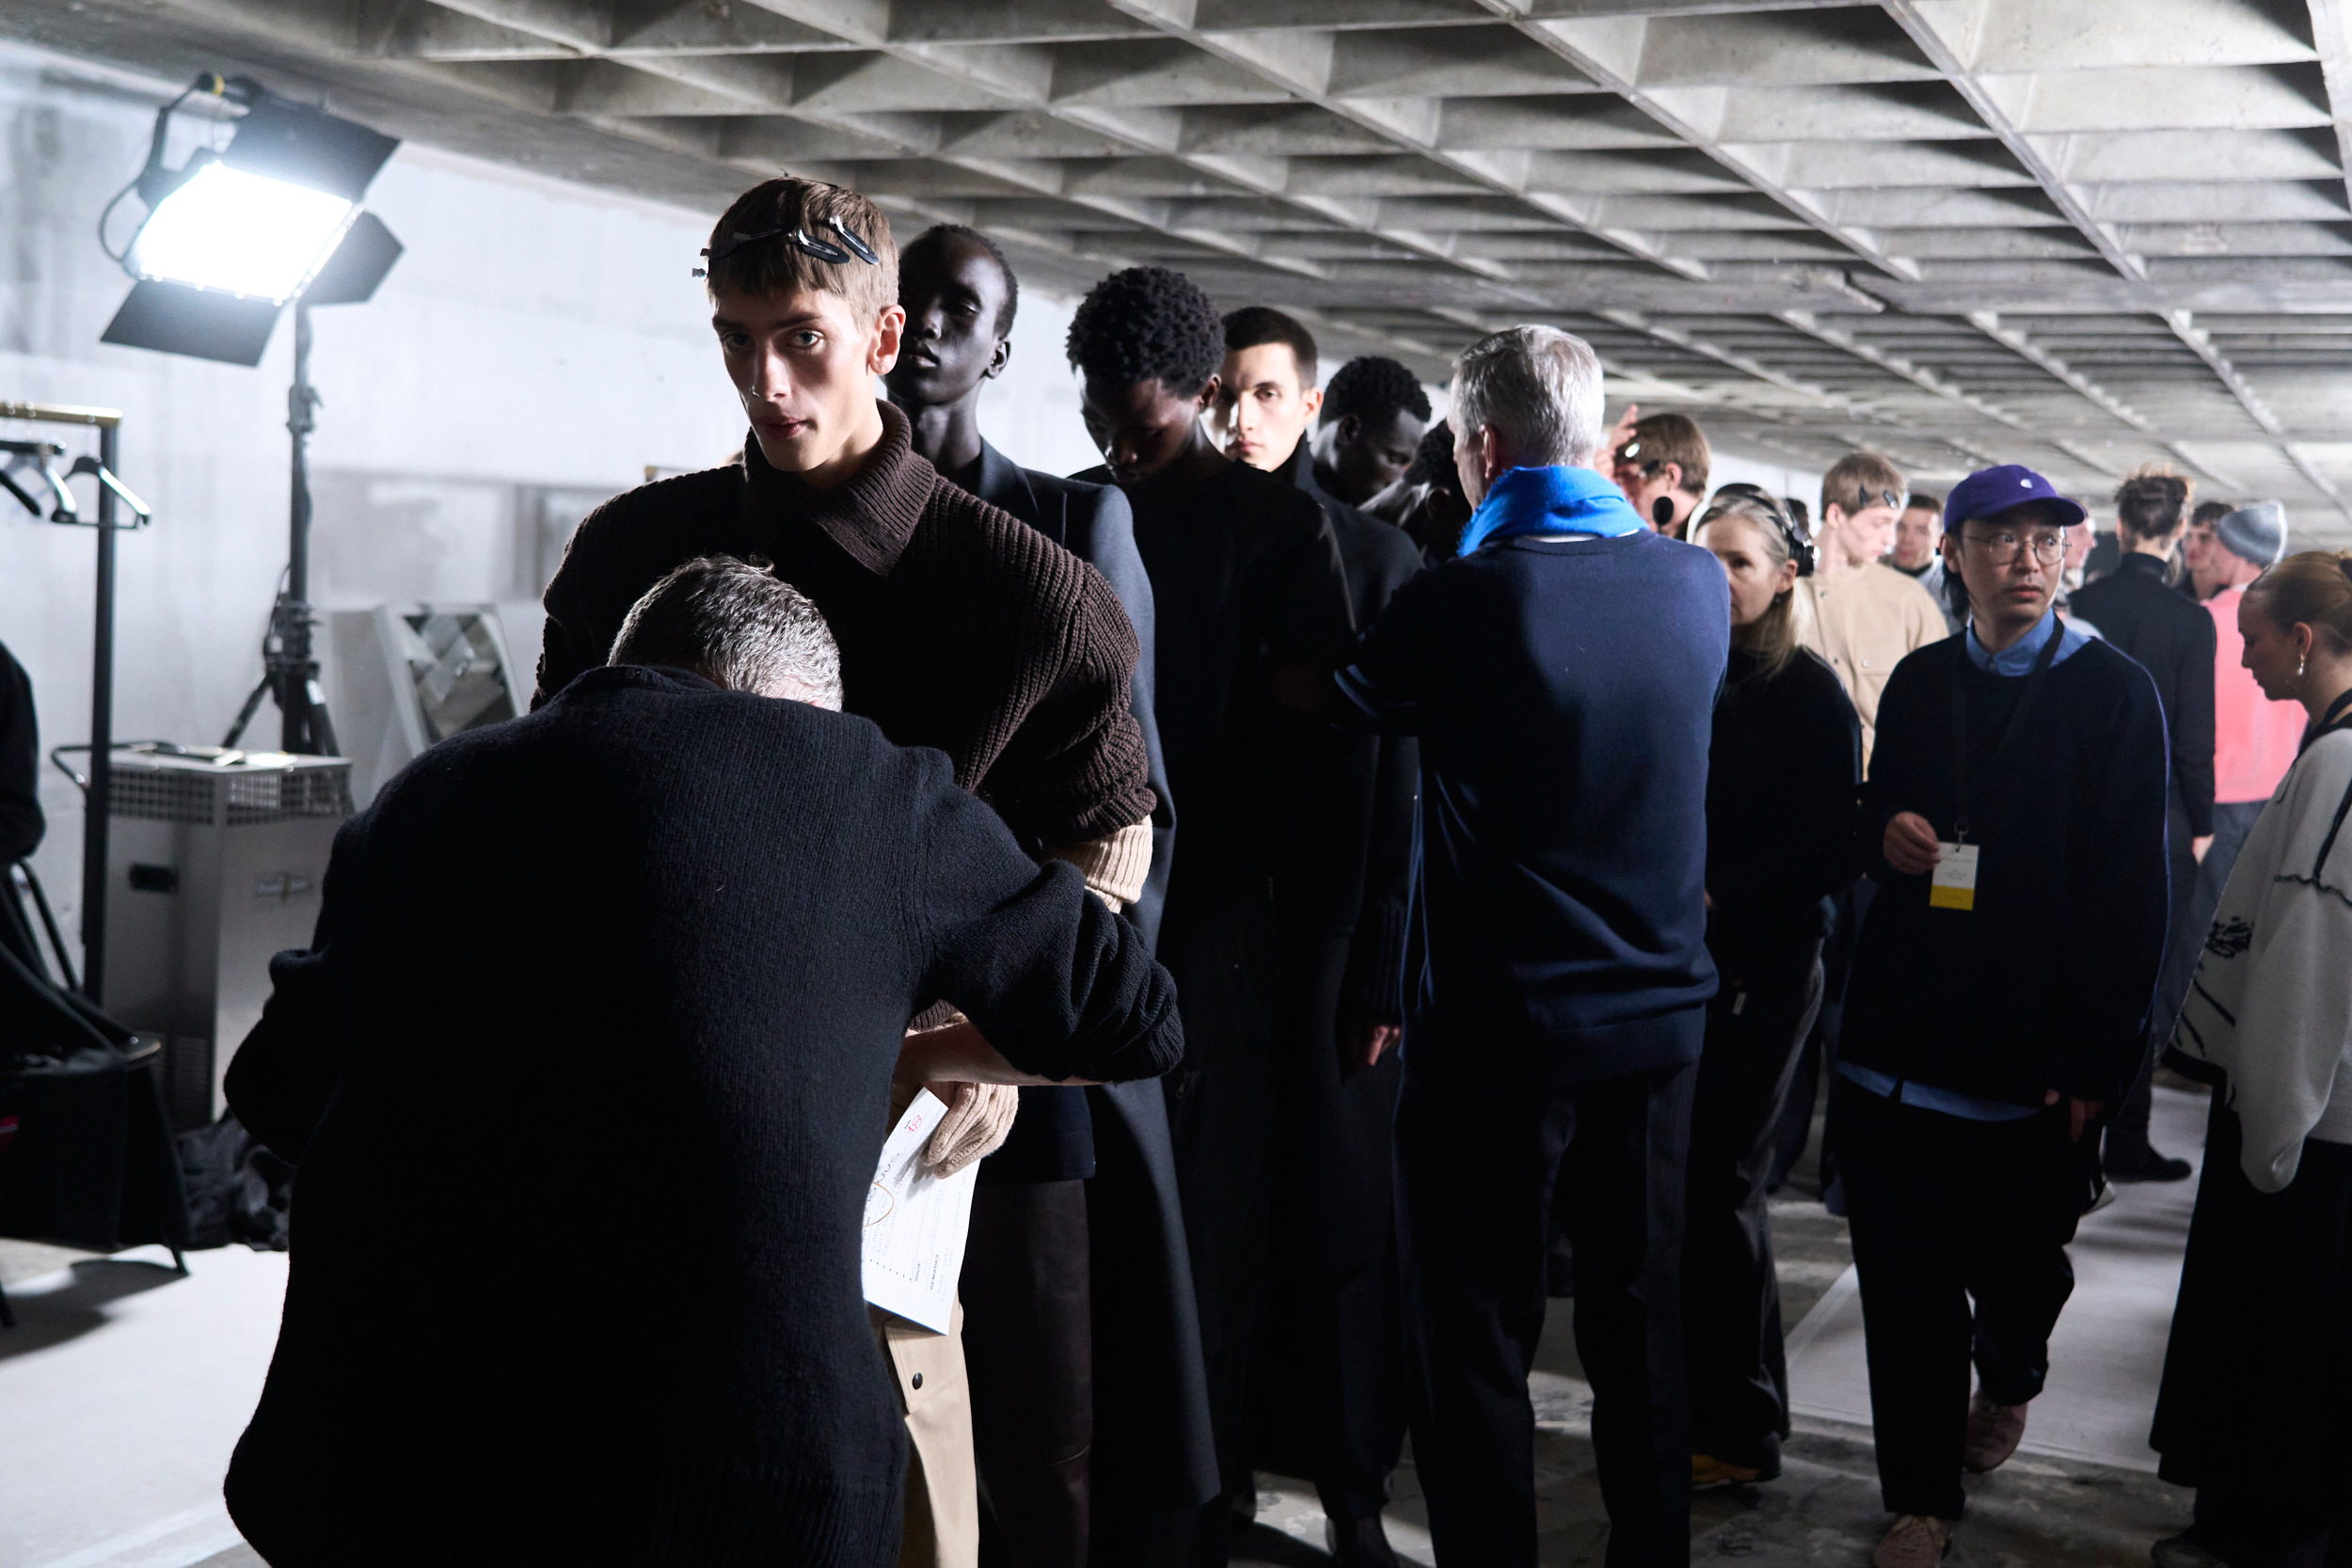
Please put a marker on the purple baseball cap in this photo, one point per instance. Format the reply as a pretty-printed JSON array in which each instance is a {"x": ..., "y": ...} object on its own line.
[{"x": 1990, "y": 492}]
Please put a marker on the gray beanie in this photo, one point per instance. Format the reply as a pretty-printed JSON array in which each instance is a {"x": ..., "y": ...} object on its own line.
[{"x": 2258, "y": 533}]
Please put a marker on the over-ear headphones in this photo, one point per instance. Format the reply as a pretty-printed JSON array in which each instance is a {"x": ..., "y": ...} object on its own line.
[{"x": 1799, "y": 538}]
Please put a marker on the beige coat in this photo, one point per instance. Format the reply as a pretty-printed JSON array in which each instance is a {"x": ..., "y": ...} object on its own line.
[{"x": 1863, "y": 622}]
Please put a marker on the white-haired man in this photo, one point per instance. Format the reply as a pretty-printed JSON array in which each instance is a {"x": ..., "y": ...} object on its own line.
[{"x": 1560, "y": 673}]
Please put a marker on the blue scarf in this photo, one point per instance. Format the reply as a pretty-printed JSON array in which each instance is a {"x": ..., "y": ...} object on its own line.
[{"x": 1549, "y": 501}]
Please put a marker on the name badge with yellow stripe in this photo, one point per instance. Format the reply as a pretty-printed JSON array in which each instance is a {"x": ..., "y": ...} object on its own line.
[{"x": 1954, "y": 885}]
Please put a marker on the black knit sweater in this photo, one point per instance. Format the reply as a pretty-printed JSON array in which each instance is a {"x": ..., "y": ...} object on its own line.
[
  {"x": 630, "y": 973},
  {"x": 960, "y": 627},
  {"x": 2047, "y": 983},
  {"x": 1784, "y": 780}
]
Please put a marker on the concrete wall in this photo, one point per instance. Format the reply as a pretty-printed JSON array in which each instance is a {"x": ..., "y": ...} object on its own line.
[{"x": 536, "y": 347}]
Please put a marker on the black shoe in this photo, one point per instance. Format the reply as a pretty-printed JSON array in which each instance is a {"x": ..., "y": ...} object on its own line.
[
  {"x": 1359, "y": 1543},
  {"x": 2143, "y": 1164}
]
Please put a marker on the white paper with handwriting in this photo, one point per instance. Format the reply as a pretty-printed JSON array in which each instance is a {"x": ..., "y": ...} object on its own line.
[{"x": 916, "y": 1223}]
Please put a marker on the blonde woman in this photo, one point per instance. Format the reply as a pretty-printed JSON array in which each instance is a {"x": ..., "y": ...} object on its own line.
[
  {"x": 2258, "y": 1372},
  {"x": 1784, "y": 773}
]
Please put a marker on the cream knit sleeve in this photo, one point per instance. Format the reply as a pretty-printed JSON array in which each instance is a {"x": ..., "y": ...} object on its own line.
[{"x": 1115, "y": 864}]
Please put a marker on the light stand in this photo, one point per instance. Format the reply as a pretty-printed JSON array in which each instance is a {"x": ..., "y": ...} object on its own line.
[
  {"x": 290, "y": 671},
  {"x": 230, "y": 238}
]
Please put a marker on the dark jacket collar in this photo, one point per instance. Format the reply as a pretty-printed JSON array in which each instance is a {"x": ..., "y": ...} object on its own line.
[
  {"x": 871, "y": 514},
  {"x": 2142, "y": 562},
  {"x": 1301, "y": 471},
  {"x": 1003, "y": 483},
  {"x": 642, "y": 678}
]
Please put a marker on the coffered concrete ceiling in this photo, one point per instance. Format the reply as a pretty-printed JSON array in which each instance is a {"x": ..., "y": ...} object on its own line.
[{"x": 2082, "y": 234}]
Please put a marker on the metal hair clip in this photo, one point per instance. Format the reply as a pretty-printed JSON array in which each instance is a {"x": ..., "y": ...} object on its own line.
[{"x": 823, "y": 250}]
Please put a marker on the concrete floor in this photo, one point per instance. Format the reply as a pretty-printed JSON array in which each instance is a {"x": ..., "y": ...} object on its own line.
[{"x": 118, "y": 1430}]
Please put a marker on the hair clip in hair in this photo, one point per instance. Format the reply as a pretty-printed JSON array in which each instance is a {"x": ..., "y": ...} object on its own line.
[{"x": 808, "y": 244}]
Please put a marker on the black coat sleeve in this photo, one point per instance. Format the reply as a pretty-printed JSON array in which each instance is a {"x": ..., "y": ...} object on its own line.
[
  {"x": 1815, "y": 749},
  {"x": 2192, "y": 727},
  {"x": 1060, "y": 985},
  {"x": 22, "y": 824},
  {"x": 283, "y": 1074},
  {"x": 2117, "y": 877}
]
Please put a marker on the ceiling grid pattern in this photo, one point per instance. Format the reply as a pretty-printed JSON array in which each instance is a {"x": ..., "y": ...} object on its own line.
[{"x": 2075, "y": 233}]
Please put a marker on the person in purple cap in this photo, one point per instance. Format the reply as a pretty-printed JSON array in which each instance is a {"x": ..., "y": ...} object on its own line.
[{"x": 2014, "y": 822}]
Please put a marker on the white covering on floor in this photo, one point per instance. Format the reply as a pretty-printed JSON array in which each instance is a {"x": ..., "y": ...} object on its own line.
[
  {"x": 125, "y": 1390},
  {"x": 2107, "y": 1355}
]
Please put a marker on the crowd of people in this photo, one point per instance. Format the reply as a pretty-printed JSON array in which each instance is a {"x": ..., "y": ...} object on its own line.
[{"x": 1349, "y": 878}]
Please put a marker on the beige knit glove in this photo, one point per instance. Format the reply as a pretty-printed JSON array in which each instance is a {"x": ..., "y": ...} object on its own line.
[{"x": 979, "y": 1120}]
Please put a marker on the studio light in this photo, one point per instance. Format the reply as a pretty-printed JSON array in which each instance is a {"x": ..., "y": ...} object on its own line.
[
  {"x": 244, "y": 233},
  {"x": 234, "y": 234},
  {"x": 231, "y": 238}
]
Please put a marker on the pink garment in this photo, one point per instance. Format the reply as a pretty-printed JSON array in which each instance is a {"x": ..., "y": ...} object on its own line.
[{"x": 2253, "y": 738}]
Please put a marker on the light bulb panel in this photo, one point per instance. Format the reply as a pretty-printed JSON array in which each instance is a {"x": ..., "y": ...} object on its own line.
[{"x": 238, "y": 232}]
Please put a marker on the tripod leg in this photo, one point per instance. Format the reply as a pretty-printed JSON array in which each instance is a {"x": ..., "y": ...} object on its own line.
[
  {"x": 244, "y": 714},
  {"x": 321, "y": 728}
]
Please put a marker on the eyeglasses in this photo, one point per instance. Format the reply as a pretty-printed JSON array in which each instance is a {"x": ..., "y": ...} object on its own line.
[
  {"x": 824, "y": 250},
  {"x": 1862, "y": 501},
  {"x": 2002, "y": 548},
  {"x": 1629, "y": 455}
]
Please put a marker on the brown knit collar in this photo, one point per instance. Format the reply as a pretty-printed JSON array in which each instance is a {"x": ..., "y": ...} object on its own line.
[{"x": 871, "y": 514}]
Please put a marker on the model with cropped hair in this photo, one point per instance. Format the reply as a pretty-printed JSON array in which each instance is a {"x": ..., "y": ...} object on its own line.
[
  {"x": 1662, "y": 467},
  {"x": 1373, "y": 415},
  {"x": 1861, "y": 616},
  {"x": 2135, "y": 609},
  {"x": 960, "y": 627},
  {"x": 1251, "y": 599}
]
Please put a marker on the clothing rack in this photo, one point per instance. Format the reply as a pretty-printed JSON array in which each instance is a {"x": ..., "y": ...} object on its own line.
[{"x": 98, "y": 798}]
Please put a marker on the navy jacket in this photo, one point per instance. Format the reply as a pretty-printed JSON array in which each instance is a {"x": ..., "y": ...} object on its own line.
[
  {"x": 2172, "y": 638},
  {"x": 1563, "y": 689}
]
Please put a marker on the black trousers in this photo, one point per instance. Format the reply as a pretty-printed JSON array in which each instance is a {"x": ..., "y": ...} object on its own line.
[
  {"x": 2184, "y": 943},
  {"x": 2258, "y": 1373},
  {"x": 1480, "y": 1162},
  {"x": 1946, "y": 1211},
  {"x": 1028, "y": 1343},
  {"x": 1739, "y": 1375},
  {"x": 1331, "y": 1399}
]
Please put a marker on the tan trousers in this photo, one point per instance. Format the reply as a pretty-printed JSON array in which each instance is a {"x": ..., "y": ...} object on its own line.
[{"x": 943, "y": 1490}]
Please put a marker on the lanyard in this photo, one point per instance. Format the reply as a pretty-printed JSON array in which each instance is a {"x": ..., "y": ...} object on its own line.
[
  {"x": 2016, "y": 720},
  {"x": 2333, "y": 719}
]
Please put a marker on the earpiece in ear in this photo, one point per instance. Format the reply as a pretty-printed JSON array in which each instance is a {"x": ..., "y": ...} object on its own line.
[{"x": 1661, "y": 512}]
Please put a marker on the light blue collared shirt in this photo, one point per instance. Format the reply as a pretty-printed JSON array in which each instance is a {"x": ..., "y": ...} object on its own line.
[{"x": 2017, "y": 659}]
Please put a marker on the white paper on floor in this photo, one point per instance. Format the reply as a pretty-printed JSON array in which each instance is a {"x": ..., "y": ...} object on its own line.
[
  {"x": 2108, "y": 1354},
  {"x": 126, "y": 1388}
]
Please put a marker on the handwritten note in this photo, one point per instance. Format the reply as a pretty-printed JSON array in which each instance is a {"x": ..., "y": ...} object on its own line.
[{"x": 916, "y": 1223}]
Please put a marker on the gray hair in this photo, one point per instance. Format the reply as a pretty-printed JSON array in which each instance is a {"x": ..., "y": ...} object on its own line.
[
  {"x": 1538, "y": 389},
  {"x": 737, "y": 625}
]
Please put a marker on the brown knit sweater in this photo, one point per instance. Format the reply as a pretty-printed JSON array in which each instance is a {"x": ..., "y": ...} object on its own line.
[{"x": 961, "y": 628}]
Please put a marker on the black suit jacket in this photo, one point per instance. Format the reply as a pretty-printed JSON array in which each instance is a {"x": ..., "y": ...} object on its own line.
[
  {"x": 2172, "y": 638},
  {"x": 1348, "y": 945},
  {"x": 1152, "y": 1444}
]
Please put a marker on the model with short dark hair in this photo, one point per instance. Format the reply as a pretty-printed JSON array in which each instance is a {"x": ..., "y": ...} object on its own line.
[
  {"x": 1333, "y": 1366},
  {"x": 2135, "y": 609},
  {"x": 1056, "y": 1460},
  {"x": 961, "y": 628},
  {"x": 1250, "y": 597},
  {"x": 1375, "y": 413}
]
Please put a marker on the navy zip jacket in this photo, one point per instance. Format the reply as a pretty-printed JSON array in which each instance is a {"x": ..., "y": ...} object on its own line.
[
  {"x": 1563, "y": 689},
  {"x": 2047, "y": 983},
  {"x": 631, "y": 970}
]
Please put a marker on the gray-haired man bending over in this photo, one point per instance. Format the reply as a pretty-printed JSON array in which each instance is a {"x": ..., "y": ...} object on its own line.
[{"x": 639, "y": 966}]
